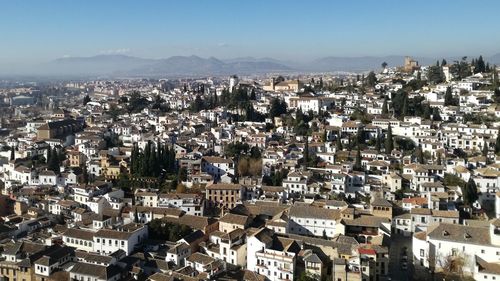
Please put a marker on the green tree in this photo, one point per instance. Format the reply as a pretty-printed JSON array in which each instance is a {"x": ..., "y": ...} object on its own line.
[
  {"x": 404, "y": 110},
  {"x": 453, "y": 180},
  {"x": 136, "y": 103},
  {"x": 443, "y": 62},
  {"x": 357, "y": 163},
  {"x": 494, "y": 78},
  {"x": 439, "y": 160},
  {"x": 255, "y": 153},
  {"x": 85, "y": 175},
  {"x": 278, "y": 108},
  {"x": 360, "y": 137},
  {"x": 419, "y": 154},
  {"x": 385, "y": 107},
  {"x": 497, "y": 143},
  {"x": 124, "y": 183},
  {"x": 479, "y": 65},
  {"x": 384, "y": 65},
  {"x": 12, "y": 153},
  {"x": 371, "y": 79},
  {"x": 305, "y": 153},
  {"x": 86, "y": 99},
  {"x": 197, "y": 104},
  {"x": 460, "y": 69},
  {"x": 469, "y": 192},
  {"x": 426, "y": 114},
  {"x": 485, "y": 149},
  {"x": 448, "y": 97},
  {"x": 53, "y": 163},
  {"x": 435, "y": 114},
  {"x": 378, "y": 143},
  {"x": 435, "y": 74},
  {"x": 160, "y": 229},
  {"x": 182, "y": 174},
  {"x": 338, "y": 144},
  {"x": 305, "y": 277},
  {"x": 235, "y": 149},
  {"x": 389, "y": 142}
]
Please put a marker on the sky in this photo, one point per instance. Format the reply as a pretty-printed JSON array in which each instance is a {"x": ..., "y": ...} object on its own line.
[{"x": 34, "y": 31}]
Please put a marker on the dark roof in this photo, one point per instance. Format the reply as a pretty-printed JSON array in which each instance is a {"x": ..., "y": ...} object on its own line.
[
  {"x": 461, "y": 233},
  {"x": 235, "y": 219},
  {"x": 224, "y": 186},
  {"x": 79, "y": 234},
  {"x": 381, "y": 202},
  {"x": 314, "y": 212},
  {"x": 98, "y": 271},
  {"x": 198, "y": 234}
]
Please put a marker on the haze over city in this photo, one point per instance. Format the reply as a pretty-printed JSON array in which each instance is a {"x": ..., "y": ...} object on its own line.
[
  {"x": 258, "y": 140},
  {"x": 38, "y": 32}
]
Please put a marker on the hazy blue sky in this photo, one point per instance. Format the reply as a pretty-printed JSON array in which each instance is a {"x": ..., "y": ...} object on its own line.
[{"x": 36, "y": 31}]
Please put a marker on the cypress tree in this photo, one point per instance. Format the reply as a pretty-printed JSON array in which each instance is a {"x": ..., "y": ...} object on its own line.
[
  {"x": 378, "y": 143},
  {"x": 495, "y": 78},
  {"x": 385, "y": 109},
  {"x": 61, "y": 155},
  {"x": 49, "y": 155},
  {"x": 419, "y": 154},
  {"x": 469, "y": 192},
  {"x": 86, "y": 99},
  {"x": 85, "y": 174},
  {"x": 404, "y": 110},
  {"x": 147, "y": 158},
  {"x": 497, "y": 143},
  {"x": 485, "y": 149},
  {"x": 360, "y": 137},
  {"x": 480, "y": 65},
  {"x": 357, "y": 163},
  {"x": 338, "y": 144},
  {"x": 153, "y": 161},
  {"x": 306, "y": 152},
  {"x": 389, "y": 145},
  {"x": 53, "y": 164},
  {"x": 427, "y": 112},
  {"x": 12, "y": 154},
  {"x": 435, "y": 114},
  {"x": 448, "y": 97}
]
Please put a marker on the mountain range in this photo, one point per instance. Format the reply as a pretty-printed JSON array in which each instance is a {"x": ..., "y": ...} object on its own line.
[{"x": 122, "y": 65}]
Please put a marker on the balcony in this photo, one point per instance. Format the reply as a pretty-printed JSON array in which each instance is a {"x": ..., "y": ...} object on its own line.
[{"x": 276, "y": 257}]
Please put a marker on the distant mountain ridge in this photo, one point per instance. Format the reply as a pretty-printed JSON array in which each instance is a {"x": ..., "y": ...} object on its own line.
[
  {"x": 123, "y": 65},
  {"x": 176, "y": 65}
]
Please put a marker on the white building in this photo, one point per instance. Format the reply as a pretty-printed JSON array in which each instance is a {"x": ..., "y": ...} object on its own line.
[
  {"x": 314, "y": 221},
  {"x": 108, "y": 241},
  {"x": 271, "y": 256},
  {"x": 474, "y": 246}
]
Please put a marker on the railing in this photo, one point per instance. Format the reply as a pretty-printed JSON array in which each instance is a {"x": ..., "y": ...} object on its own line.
[{"x": 275, "y": 256}]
